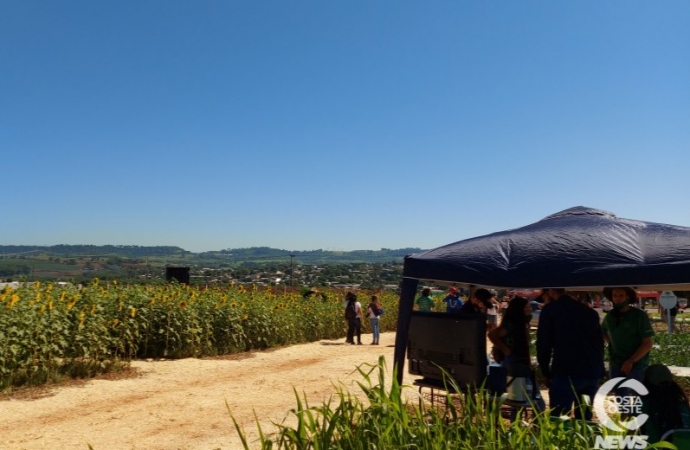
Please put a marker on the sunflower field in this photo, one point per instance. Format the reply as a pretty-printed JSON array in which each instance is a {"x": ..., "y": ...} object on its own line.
[{"x": 49, "y": 331}]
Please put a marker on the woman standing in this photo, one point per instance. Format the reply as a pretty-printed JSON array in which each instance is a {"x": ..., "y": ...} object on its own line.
[
  {"x": 375, "y": 310},
  {"x": 511, "y": 345},
  {"x": 511, "y": 338}
]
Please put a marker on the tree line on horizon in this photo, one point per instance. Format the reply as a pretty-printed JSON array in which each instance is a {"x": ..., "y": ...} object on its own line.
[{"x": 231, "y": 256}]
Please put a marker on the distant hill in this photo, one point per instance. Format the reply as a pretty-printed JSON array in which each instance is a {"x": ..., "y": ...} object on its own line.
[
  {"x": 267, "y": 254},
  {"x": 231, "y": 256},
  {"x": 71, "y": 251}
]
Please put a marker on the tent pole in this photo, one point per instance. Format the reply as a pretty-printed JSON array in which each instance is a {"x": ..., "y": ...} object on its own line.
[{"x": 407, "y": 293}]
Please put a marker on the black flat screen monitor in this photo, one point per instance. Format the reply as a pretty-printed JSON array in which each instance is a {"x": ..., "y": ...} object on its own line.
[{"x": 454, "y": 342}]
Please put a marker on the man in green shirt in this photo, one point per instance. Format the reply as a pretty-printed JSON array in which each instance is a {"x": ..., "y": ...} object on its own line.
[
  {"x": 425, "y": 302},
  {"x": 629, "y": 334}
]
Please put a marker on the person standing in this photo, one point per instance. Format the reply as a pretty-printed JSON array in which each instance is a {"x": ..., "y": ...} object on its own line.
[
  {"x": 492, "y": 312},
  {"x": 452, "y": 301},
  {"x": 570, "y": 353},
  {"x": 542, "y": 298},
  {"x": 353, "y": 315},
  {"x": 504, "y": 304},
  {"x": 425, "y": 302},
  {"x": 629, "y": 333},
  {"x": 375, "y": 310},
  {"x": 511, "y": 338},
  {"x": 673, "y": 312},
  {"x": 480, "y": 301},
  {"x": 510, "y": 342}
]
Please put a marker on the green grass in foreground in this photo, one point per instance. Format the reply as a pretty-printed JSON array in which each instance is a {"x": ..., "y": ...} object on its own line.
[{"x": 386, "y": 421}]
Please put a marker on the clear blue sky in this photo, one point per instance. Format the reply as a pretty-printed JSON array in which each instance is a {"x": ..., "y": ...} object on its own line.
[{"x": 336, "y": 125}]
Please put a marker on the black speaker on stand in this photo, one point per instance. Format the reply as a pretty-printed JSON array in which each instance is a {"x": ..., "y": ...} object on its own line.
[{"x": 181, "y": 274}]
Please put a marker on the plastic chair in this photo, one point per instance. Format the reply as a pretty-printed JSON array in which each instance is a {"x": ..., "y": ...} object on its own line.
[{"x": 680, "y": 437}]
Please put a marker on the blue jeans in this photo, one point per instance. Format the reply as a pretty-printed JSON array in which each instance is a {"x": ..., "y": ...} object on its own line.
[
  {"x": 374, "y": 321},
  {"x": 566, "y": 392}
]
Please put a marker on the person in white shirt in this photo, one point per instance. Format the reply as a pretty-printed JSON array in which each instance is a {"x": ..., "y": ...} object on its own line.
[{"x": 492, "y": 312}]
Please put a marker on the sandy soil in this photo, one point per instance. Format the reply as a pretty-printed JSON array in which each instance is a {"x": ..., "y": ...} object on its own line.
[{"x": 182, "y": 404}]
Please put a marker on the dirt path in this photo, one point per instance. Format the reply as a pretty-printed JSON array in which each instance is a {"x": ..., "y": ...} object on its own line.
[{"x": 182, "y": 404}]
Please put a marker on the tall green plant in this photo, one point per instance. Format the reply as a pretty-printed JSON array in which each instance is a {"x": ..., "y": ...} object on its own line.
[
  {"x": 381, "y": 418},
  {"x": 48, "y": 331}
]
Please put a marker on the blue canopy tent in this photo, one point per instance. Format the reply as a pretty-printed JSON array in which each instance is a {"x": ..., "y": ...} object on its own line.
[{"x": 578, "y": 248}]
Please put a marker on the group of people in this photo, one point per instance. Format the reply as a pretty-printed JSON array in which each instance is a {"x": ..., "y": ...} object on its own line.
[
  {"x": 570, "y": 347},
  {"x": 570, "y": 343},
  {"x": 354, "y": 316},
  {"x": 482, "y": 300},
  {"x": 571, "y": 340}
]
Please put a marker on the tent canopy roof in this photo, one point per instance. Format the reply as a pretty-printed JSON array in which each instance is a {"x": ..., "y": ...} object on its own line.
[{"x": 578, "y": 248}]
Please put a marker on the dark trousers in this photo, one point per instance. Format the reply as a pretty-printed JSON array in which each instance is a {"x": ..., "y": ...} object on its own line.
[
  {"x": 354, "y": 326},
  {"x": 565, "y": 394}
]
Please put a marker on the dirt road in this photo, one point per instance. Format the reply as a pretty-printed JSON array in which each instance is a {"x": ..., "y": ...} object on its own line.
[{"x": 182, "y": 404}]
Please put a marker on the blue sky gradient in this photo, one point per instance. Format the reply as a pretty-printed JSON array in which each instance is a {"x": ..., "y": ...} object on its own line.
[{"x": 336, "y": 125}]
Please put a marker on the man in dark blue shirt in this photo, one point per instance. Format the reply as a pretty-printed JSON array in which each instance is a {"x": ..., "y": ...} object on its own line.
[
  {"x": 570, "y": 352},
  {"x": 481, "y": 299}
]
